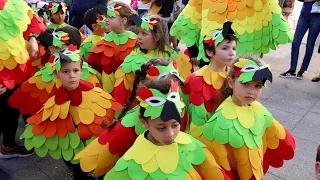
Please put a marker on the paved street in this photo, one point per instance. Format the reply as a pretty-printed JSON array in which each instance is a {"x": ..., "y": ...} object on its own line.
[{"x": 295, "y": 103}]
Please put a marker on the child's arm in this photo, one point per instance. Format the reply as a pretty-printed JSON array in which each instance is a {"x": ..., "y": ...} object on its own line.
[
  {"x": 209, "y": 169},
  {"x": 280, "y": 145},
  {"x": 33, "y": 47}
]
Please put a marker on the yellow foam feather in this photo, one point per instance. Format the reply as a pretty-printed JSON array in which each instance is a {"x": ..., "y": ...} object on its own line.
[
  {"x": 74, "y": 111},
  {"x": 50, "y": 86},
  {"x": 107, "y": 81},
  {"x": 166, "y": 153},
  {"x": 105, "y": 95},
  {"x": 209, "y": 168},
  {"x": 55, "y": 112},
  {"x": 245, "y": 116},
  {"x": 245, "y": 171},
  {"x": 183, "y": 138},
  {"x": 104, "y": 103},
  {"x": 241, "y": 155},
  {"x": 88, "y": 163},
  {"x": 151, "y": 165},
  {"x": 86, "y": 101},
  {"x": 46, "y": 113},
  {"x": 86, "y": 115},
  {"x": 254, "y": 158},
  {"x": 193, "y": 175},
  {"x": 281, "y": 133},
  {"x": 98, "y": 110},
  {"x": 64, "y": 110},
  {"x": 273, "y": 142},
  {"x": 195, "y": 130}
]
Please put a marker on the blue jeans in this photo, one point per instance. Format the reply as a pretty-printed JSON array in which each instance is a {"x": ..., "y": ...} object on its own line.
[{"x": 313, "y": 24}]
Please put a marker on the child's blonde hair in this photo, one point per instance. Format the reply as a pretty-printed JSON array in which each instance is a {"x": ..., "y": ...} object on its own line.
[
  {"x": 125, "y": 11},
  {"x": 158, "y": 33}
]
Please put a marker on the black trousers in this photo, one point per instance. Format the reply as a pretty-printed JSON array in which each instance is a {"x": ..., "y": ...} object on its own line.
[
  {"x": 78, "y": 173},
  {"x": 8, "y": 119}
]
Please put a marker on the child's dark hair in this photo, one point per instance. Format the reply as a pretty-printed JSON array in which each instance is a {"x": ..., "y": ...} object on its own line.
[
  {"x": 91, "y": 16},
  {"x": 46, "y": 38},
  {"x": 125, "y": 12},
  {"x": 140, "y": 76},
  {"x": 74, "y": 35},
  {"x": 227, "y": 91},
  {"x": 158, "y": 33},
  {"x": 212, "y": 48}
]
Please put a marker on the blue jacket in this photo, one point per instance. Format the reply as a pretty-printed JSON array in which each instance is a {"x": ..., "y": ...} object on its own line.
[{"x": 79, "y": 8}]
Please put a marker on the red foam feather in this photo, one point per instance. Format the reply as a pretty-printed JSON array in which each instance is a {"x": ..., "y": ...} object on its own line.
[
  {"x": 84, "y": 131},
  {"x": 276, "y": 157},
  {"x": 120, "y": 138},
  {"x": 153, "y": 71},
  {"x": 35, "y": 27},
  {"x": 121, "y": 94},
  {"x": 144, "y": 93}
]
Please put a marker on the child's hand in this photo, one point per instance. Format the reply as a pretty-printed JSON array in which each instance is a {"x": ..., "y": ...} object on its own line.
[
  {"x": 33, "y": 48},
  {"x": 3, "y": 89}
]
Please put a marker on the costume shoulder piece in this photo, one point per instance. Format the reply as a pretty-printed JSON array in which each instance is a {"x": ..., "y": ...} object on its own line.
[
  {"x": 259, "y": 25},
  {"x": 56, "y": 26},
  {"x": 109, "y": 54},
  {"x": 136, "y": 58},
  {"x": 88, "y": 44},
  {"x": 68, "y": 120},
  {"x": 17, "y": 19},
  {"x": 203, "y": 97},
  {"x": 144, "y": 160},
  {"x": 33, "y": 93}
]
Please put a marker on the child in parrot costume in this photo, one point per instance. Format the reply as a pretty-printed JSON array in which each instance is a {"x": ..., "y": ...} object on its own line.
[
  {"x": 95, "y": 20},
  {"x": 19, "y": 25},
  {"x": 243, "y": 136},
  {"x": 163, "y": 151},
  {"x": 259, "y": 25},
  {"x": 71, "y": 118},
  {"x": 150, "y": 44},
  {"x": 109, "y": 53},
  {"x": 102, "y": 154},
  {"x": 203, "y": 85},
  {"x": 57, "y": 13},
  {"x": 30, "y": 97}
]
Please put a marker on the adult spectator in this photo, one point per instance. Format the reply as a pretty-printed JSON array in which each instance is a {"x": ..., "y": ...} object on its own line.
[
  {"x": 317, "y": 78},
  {"x": 79, "y": 8},
  {"x": 307, "y": 21}
]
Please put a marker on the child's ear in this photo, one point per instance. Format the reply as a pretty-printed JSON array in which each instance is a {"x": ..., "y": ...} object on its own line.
[
  {"x": 230, "y": 82},
  {"x": 209, "y": 53},
  {"x": 143, "y": 122},
  {"x": 55, "y": 73},
  {"x": 95, "y": 27},
  {"x": 52, "y": 49},
  {"x": 124, "y": 20}
]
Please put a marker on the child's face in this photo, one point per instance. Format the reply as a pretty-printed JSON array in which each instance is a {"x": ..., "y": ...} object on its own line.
[
  {"x": 98, "y": 29},
  {"x": 69, "y": 75},
  {"x": 225, "y": 52},
  {"x": 146, "y": 39},
  {"x": 161, "y": 133},
  {"x": 59, "y": 17},
  {"x": 115, "y": 23},
  {"x": 245, "y": 93}
]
